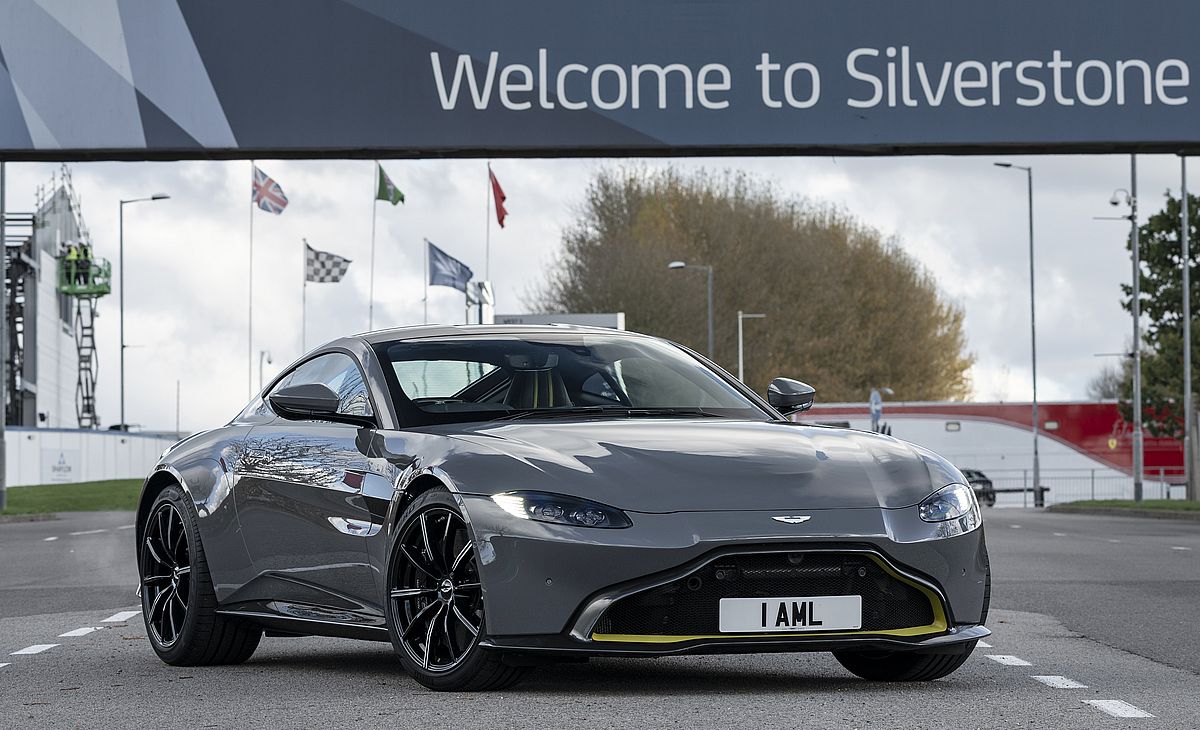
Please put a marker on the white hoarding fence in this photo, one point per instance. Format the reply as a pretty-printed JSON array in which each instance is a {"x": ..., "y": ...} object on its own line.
[{"x": 59, "y": 456}]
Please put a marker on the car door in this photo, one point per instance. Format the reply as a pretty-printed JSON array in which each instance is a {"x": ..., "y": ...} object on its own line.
[{"x": 301, "y": 506}]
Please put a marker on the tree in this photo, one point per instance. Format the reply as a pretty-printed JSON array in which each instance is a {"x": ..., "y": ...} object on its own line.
[
  {"x": 1110, "y": 383},
  {"x": 1161, "y": 298},
  {"x": 846, "y": 309}
]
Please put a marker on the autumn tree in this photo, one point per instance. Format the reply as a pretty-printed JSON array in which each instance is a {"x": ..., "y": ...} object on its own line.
[{"x": 846, "y": 308}]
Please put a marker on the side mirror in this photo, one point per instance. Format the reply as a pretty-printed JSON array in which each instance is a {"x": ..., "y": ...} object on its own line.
[
  {"x": 315, "y": 401},
  {"x": 790, "y": 396}
]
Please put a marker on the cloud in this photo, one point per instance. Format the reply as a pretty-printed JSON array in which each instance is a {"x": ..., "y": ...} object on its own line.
[{"x": 186, "y": 258}]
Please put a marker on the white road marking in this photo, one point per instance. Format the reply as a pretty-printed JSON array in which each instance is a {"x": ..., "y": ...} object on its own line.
[
  {"x": 121, "y": 617},
  {"x": 1117, "y": 708},
  {"x": 88, "y": 532},
  {"x": 52, "y": 538},
  {"x": 1060, "y": 534},
  {"x": 1179, "y": 547},
  {"x": 3, "y": 665},
  {"x": 1015, "y": 527},
  {"x": 35, "y": 649},
  {"x": 1111, "y": 540},
  {"x": 1059, "y": 682},
  {"x": 126, "y": 527},
  {"x": 1008, "y": 660},
  {"x": 80, "y": 632},
  {"x": 984, "y": 645}
]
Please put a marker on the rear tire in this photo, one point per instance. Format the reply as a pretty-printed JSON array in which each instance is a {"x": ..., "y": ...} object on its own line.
[
  {"x": 179, "y": 605},
  {"x": 902, "y": 666},
  {"x": 438, "y": 576}
]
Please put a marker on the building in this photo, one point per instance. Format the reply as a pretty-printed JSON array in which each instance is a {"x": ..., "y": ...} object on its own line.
[
  {"x": 52, "y": 298},
  {"x": 53, "y": 420}
]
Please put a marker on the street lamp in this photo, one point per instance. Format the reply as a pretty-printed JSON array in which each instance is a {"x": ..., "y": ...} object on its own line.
[
  {"x": 1129, "y": 197},
  {"x": 262, "y": 354},
  {"x": 709, "y": 270},
  {"x": 741, "y": 359},
  {"x": 121, "y": 289},
  {"x": 1037, "y": 468}
]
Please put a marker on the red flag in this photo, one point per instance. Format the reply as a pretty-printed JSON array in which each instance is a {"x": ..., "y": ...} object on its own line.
[{"x": 499, "y": 196}]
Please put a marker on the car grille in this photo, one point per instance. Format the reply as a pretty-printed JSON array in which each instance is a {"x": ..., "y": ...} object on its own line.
[{"x": 689, "y": 606}]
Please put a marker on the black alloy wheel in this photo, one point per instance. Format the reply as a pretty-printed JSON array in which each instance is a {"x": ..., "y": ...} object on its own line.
[
  {"x": 436, "y": 591},
  {"x": 903, "y": 666},
  {"x": 179, "y": 604},
  {"x": 166, "y": 574},
  {"x": 435, "y": 600}
]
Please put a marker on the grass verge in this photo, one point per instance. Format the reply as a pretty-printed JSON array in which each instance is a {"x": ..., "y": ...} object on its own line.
[
  {"x": 1171, "y": 505},
  {"x": 113, "y": 494}
]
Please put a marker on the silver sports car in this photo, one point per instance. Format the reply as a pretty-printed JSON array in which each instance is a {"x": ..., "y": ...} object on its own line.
[{"x": 489, "y": 499}]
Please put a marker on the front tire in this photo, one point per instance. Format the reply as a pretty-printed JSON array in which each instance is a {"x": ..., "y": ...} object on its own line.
[
  {"x": 179, "y": 605},
  {"x": 902, "y": 666},
  {"x": 435, "y": 601}
]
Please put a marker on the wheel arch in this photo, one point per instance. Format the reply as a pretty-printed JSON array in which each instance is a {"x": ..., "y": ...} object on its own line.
[
  {"x": 164, "y": 476},
  {"x": 411, "y": 491}
]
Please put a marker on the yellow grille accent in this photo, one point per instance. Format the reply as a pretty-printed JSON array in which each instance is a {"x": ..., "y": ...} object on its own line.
[{"x": 938, "y": 626}]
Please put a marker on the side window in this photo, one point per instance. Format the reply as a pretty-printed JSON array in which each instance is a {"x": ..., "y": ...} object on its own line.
[{"x": 341, "y": 374}]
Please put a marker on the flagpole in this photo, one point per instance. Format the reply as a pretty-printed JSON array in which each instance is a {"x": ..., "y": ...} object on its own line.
[
  {"x": 304, "y": 296},
  {"x": 374, "y": 210},
  {"x": 250, "y": 294},
  {"x": 487, "y": 245},
  {"x": 425, "y": 275}
]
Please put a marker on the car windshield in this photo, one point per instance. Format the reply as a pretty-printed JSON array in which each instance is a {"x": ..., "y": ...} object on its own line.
[{"x": 552, "y": 375}]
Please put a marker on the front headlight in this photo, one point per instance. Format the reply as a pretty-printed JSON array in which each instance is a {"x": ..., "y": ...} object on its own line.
[
  {"x": 560, "y": 510},
  {"x": 953, "y": 508}
]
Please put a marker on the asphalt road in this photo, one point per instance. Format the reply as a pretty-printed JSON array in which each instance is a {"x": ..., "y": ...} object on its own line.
[{"x": 1070, "y": 606}]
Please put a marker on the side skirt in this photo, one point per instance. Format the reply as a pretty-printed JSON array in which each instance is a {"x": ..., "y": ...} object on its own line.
[{"x": 277, "y": 622}]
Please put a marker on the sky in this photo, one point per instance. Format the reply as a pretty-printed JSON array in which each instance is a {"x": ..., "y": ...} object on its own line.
[{"x": 186, "y": 258}]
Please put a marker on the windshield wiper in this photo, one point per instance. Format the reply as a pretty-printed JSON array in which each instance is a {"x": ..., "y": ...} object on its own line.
[{"x": 616, "y": 411}]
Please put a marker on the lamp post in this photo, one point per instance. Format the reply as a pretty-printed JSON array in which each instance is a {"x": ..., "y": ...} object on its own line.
[
  {"x": 741, "y": 350},
  {"x": 1185, "y": 253},
  {"x": 709, "y": 271},
  {"x": 1037, "y": 467},
  {"x": 121, "y": 289},
  {"x": 261, "y": 355},
  {"x": 1129, "y": 197}
]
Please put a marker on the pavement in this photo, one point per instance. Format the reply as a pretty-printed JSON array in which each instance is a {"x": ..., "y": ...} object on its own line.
[{"x": 1089, "y": 633}]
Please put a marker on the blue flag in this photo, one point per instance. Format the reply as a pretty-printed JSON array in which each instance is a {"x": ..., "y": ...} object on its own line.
[{"x": 445, "y": 270}]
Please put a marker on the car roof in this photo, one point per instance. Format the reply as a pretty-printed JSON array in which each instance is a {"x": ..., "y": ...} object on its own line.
[{"x": 424, "y": 331}]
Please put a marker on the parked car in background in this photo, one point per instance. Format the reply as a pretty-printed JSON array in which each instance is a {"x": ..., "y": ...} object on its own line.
[{"x": 985, "y": 491}]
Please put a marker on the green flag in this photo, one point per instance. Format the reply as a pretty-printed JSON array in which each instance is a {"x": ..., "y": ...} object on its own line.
[{"x": 387, "y": 189}]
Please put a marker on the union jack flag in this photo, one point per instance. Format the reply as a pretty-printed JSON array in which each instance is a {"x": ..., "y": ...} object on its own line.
[{"x": 267, "y": 194}]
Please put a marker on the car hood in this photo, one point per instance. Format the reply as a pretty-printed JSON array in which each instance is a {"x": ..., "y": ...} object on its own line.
[{"x": 669, "y": 465}]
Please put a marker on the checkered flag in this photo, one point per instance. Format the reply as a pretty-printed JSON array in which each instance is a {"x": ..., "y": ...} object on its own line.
[{"x": 322, "y": 266}]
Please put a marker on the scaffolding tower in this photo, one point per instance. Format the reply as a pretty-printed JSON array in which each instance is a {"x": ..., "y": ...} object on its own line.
[
  {"x": 54, "y": 235},
  {"x": 20, "y": 287}
]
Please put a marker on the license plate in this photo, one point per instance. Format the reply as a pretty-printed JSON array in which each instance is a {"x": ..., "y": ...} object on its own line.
[{"x": 807, "y": 613}]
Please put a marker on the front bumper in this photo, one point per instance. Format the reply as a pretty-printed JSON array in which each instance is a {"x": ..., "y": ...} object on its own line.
[
  {"x": 567, "y": 645},
  {"x": 547, "y": 585}
]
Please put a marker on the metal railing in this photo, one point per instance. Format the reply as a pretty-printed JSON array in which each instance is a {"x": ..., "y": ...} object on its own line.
[{"x": 1069, "y": 485}]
